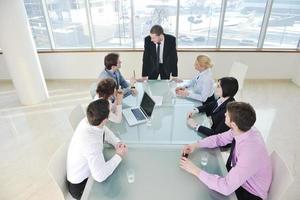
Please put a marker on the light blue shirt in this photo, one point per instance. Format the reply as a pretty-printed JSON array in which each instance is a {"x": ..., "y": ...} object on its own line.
[
  {"x": 201, "y": 86},
  {"x": 123, "y": 84}
]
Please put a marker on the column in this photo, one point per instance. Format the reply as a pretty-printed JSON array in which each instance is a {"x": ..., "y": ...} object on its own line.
[{"x": 19, "y": 52}]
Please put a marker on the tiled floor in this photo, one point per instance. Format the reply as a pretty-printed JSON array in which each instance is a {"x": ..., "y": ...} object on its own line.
[{"x": 29, "y": 135}]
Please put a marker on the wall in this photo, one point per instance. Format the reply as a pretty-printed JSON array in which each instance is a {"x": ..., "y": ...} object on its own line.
[{"x": 86, "y": 65}]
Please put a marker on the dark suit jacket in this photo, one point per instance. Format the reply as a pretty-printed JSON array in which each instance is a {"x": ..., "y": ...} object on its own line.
[
  {"x": 169, "y": 56},
  {"x": 217, "y": 116}
]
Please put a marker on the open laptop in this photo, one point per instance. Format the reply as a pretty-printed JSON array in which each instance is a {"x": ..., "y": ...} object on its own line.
[{"x": 137, "y": 115}]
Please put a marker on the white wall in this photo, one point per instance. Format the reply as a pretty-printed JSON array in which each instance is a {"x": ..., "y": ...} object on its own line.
[{"x": 87, "y": 65}]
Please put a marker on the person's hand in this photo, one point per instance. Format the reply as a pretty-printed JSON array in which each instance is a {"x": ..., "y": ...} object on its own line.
[
  {"x": 189, "y": 148},
  {"x": 188, "y": 166},
  {"x": 192, "y": 113},
  {"x": 191, "y": 123},
  {"x": 132, "y": 81},
  {"x": 182, "y": 93},
  {"x": 178, "y": 89},
  {"x": 119, "y": 96},
  {"x": 134, "y": 91},
  {"x": 177, "y": 80},
  {"x": 144, "y": 78},
  {"x": 121, "y": 149}
]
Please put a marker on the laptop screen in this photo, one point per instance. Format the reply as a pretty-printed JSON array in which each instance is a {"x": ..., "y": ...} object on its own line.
[{"x": 147, "y": 104}]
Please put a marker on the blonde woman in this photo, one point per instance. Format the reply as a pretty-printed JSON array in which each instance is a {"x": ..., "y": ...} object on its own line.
[{"x": 201, "y": 87}]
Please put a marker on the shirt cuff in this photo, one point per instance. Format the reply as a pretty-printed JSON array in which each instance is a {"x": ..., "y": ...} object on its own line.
[
  {"x": 199, "y": 142},
  {"x": 116, "y": 159},
  {"x": 203, "y": 176},
  {"x": 197, "y": 127}
]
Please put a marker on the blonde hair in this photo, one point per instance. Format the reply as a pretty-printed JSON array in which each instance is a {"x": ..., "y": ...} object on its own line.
[{"x": 206, "y": 60}]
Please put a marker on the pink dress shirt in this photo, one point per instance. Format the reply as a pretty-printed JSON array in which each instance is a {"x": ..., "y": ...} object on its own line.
[{"x": 251, "y": 163}]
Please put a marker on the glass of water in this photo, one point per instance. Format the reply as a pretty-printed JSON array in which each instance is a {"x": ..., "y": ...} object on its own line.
[
  {"x": 130, "y": 175},
  {"x": 149, "y": 120},
  {"x": 204, "y": 158}
]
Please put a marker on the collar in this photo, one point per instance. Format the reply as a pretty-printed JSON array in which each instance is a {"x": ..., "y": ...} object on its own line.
[
  {"x": 161, "y": 43},
  {"x": 111, "y": 72},
  {"x": 244, "y": 136},
  {"x": 204, "y": 72}
]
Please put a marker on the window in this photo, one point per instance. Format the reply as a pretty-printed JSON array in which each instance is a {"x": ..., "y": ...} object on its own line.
[
  {"x": 37, "y": 23},
  {"x": 242, "y": 23},
  {"x": 195, "y": 23},
  {"x": 68, "y": 20},
  {"x": 284, "y": 24},
  {"x": 198, "y": 23},
  {"x": 149, "y": 13},
  {"x": 111, "y": 23}
]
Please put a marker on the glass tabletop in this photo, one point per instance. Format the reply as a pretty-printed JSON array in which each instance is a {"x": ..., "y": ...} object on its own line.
[
  {"x": 152, "y": 172},
  {"x": 154, "y": 153},
  {"x": 167, "y": 124}
]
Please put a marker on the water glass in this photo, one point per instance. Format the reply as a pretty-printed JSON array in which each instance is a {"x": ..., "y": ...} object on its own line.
[
  {"x": 130, "y": 175},
  {"x": 204, "y": 158}
]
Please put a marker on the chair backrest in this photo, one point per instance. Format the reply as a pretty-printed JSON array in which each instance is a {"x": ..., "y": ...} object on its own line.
[
  {"x": 93, "y": 89},
  {"x": 239, "y": 70},
  {"x": 281, "y": 179},
  {"x": 76, "y": 115},
  {"x": 57, "y": 169}
]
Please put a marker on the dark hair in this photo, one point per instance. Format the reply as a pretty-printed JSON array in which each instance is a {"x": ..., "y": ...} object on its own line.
[
  {"x": 110, "y": 60},
  {"x": 157, "y": 29},
  {"x": 106, "y": 88},
  {"x": 242, "y": 114},
  {"x": 229, "y": 86},
  {"x": 97, "y": 111}
]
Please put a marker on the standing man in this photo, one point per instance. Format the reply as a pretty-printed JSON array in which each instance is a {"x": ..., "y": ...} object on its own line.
[{"x": 160, "y": 55}]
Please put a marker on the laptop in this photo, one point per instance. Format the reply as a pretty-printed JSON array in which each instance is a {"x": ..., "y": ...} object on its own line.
[{"x": 138, "y": 115}]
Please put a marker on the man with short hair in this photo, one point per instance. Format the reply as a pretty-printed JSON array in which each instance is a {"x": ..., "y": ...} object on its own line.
[
  {"x": 112, "y": 65},
  {"x": 249, "y": 179},
  {"x": 85, "y": 155},
  {"x": 160, "y": 55}
]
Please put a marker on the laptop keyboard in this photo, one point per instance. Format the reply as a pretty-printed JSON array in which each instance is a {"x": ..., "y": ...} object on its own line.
[{"x": 138, "y": 114}]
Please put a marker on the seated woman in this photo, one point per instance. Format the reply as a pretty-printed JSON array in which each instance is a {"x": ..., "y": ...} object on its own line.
[
  {"x": 201, "y": 87},
  {"x": 227, "y": 87},
  {"x": 106, "y": 89}
]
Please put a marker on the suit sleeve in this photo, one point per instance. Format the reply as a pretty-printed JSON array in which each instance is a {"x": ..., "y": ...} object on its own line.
[
  {"x": 207, "y": 108},
  {"x": 174, "y": 58},
  {"x": 206, "y": 131},
  {"x": 146, "y": 59}
]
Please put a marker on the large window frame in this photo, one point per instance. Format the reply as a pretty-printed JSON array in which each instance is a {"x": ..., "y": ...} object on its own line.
[{"x": 218, "y": 47}]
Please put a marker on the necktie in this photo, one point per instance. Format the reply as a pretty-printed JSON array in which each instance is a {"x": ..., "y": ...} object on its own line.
[
  {"x": 228, "y": 163},
  {"x": 158, "y": 54},
  {"x": 103, "y": 137}
]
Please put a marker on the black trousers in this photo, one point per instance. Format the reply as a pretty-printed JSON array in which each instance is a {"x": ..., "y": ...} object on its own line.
[
  {"x": 243, "y": 194},
  {"x": 76, "y": 190},
  {"x": 162, "y": 71}
]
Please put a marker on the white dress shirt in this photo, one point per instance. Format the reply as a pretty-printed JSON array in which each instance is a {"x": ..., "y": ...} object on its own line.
[
  {"x": 161, "y": 51},
  {"x": 201, "y": 86},
  {"x": 85, "y": 155},
  {"x": 115, "y": 113}
]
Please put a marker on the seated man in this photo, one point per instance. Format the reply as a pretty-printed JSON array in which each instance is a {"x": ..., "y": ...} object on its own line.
[
  {"x": 249, "y": 165},
  {"x": 112, "y": 64},
  {"x": 85, "y": 155}
]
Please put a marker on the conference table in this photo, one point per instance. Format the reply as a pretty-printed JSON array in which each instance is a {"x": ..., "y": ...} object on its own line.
[{"x": 151, "y": 169}]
